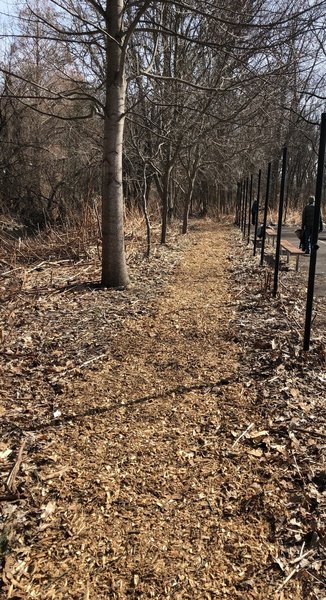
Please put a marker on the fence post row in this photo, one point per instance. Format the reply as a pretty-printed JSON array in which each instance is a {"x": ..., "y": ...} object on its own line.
[
  {"x": 265, "y": 214},
  {"x": 242, "y": 194},
  {"x": 279, "y": 224},
  {"x": 315, "y": 230}
]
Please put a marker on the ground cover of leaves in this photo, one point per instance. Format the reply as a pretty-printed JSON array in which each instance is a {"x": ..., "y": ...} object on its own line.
[{"x": 165, "y": 441}]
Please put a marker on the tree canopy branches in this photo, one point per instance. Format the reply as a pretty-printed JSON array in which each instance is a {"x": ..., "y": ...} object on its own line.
[{"x": 208, "y": 88}]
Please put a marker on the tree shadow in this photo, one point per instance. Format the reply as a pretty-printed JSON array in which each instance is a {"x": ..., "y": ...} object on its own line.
[{"x": 10, "y": 426}]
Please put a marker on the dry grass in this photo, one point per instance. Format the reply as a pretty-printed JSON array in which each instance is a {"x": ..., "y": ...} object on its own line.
[{"x": 73, "y": 242}]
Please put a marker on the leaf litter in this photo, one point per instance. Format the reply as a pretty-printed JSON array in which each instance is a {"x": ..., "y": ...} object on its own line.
[{"x": 165, "y": 441}]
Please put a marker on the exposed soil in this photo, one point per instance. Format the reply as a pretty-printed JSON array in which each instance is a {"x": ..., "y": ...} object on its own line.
[{"x": 165, "y": 441}]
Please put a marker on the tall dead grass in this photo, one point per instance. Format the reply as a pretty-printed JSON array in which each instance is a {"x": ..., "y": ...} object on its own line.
[
  {"x": 76, "y": 238},
  {"x": 55, "y": 242}
]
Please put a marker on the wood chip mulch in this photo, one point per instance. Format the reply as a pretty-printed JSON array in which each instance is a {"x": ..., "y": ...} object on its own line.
[{"x": 165, "y": 441}]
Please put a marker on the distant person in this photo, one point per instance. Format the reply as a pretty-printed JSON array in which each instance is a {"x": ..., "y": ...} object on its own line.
[
  {"x": 307, "y": 224},
  {"x": 254, "y": 212}
]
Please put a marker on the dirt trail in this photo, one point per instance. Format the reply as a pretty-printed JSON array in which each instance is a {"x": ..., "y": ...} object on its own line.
[{"x": 142, "y": 489}]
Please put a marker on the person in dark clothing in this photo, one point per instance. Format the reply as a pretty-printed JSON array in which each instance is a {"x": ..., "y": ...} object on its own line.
[
  {"x": 254, "y": 212},
  {"x": 307, "y": 224}
]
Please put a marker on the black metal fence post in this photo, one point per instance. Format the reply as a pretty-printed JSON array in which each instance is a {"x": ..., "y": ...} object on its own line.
[
  {"x": 241, "y": 204},
  {"x": 249, "y": 209},
  {"x": 245, "y": 207},
  {"x": 265, "y": 214},
  {"x": 315, "y": 229},
  {"x": 257, "y": 214},
  {"x": 237, "y": 206},
  {"x": 243, "y": 201},
  {"x": 279, "y": 224}
]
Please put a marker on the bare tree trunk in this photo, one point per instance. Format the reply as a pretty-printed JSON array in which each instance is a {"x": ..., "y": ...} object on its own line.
[
  {"x": 188, "y": 201},
  {"x": 171, "y": 201},
  {"x": 114, "y": 269},
  {"x": 145, "y": 196},
  {"x": 165, "y": 201}
]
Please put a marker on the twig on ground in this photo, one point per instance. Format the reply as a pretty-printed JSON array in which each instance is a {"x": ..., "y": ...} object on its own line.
[
  {"x": 87, "y": 362},
  {"x": 240, "y": 293},
  {"x": 296, "y": 569},
  {"x": 11, "y": 481},
  {"x": 299, "y": 558},
  {"x": 55, "y": 473},
  {"x": 308, "y": 432},
  {"x": 87, "y": 591},
  {"x": 243, "y": 434},
  {"x": 287, "y": 579},
  {"x": 38, "y": 266},
  {"x": 297, "y": 466},
  {"x": 10, "y": 271}
]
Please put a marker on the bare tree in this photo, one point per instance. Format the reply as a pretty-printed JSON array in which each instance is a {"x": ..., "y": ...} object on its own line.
[{"x": 195, "y": 61}]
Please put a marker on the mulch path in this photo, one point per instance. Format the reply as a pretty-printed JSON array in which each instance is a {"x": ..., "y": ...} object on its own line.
[{"x": 165, "y": 441}]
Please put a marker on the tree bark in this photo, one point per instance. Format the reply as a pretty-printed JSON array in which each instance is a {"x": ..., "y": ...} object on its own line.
[
  {"x": 188, "y": 201},
  {"x": 165, "y": 200},
  {"x": 146, "y": 192},
  {"x": 114, "y": 269}
]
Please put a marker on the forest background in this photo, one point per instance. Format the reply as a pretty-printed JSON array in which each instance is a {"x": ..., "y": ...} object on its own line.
[{"x": 153, "y": 107}]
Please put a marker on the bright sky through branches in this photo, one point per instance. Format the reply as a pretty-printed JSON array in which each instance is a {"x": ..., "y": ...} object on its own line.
[
  {"x": 6, "y": 9},
  {"x": 5, "y": 6}
]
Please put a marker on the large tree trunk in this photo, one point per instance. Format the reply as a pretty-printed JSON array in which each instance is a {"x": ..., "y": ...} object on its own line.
[{"x": 114, "y": 269}]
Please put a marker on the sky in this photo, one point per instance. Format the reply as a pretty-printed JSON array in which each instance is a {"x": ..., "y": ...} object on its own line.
[
  {"x": 7, "y": 23},
  {"x": 8, "y": 8},
  {"x": 5, "y": 6}
]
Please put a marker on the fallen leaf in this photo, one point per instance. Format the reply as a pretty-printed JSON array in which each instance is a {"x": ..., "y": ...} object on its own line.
[
  {"x": 257, "y": 452},
  {"x": 48, "y": 510}
]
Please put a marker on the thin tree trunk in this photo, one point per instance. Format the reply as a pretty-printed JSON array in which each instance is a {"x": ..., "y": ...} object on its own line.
[
  {"x": 187, "y": 204},
  {"x": 165, "y": 197},
  {"x": 146, "y": 191},
  {"x": 114, "y": 269},
  {"x": 171, "y": 201}
]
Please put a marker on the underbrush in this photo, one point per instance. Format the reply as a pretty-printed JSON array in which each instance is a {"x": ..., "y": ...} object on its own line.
[
  {"x": 76, "y": 240},
  {"x": 79, "y": 238},
  {"x": 72, "y": 241}
]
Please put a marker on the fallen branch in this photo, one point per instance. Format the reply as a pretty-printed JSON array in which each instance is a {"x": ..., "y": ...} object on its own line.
[{"x": 308, "y": 431}]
